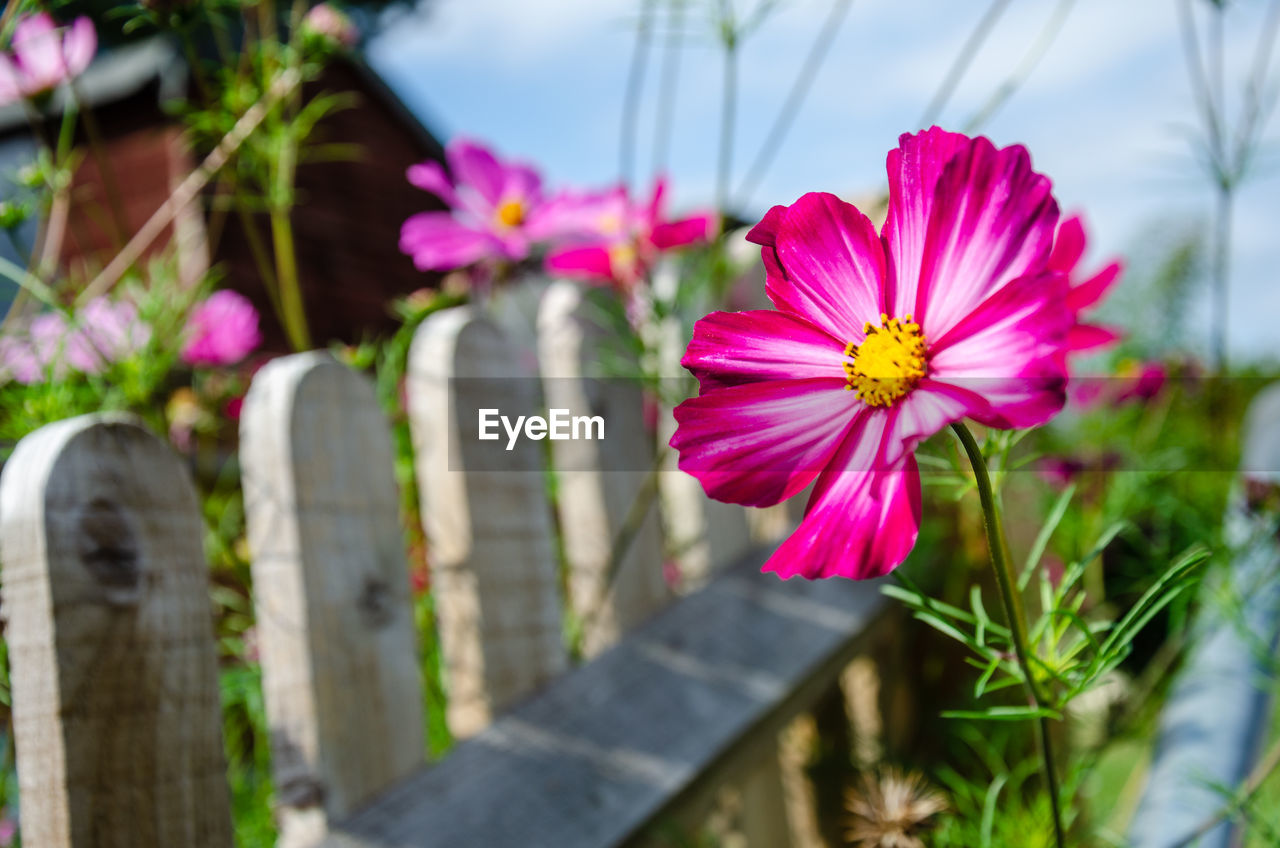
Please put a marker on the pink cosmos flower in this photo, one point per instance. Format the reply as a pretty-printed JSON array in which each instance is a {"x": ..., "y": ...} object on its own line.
[
  {"x": 1060, "y": 471},
  {"x": 497, "y": 210},
  {"x": 327, "y": 22},
  {"x": 103, "y": 332},
  {"x": 877, "y": 342},
  {"x": 626, "y": 237},
  {"x": 18, "y": 361},
  {"x": 1133, "y": 381},
  {"x": 42, "y": 56},
  {"x": 111, "y": 331},
  {"x": 1068, "y": 249},
  {"x": 1142, "y": 382},
  {"x": 221, "y": 330}
]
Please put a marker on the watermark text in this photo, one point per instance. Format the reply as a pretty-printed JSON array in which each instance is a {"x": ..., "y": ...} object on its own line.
[{"x": 560, "y": 425}]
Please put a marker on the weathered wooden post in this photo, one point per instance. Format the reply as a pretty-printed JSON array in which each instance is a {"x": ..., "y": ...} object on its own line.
[
  {"x": 608, "y": 489},
  {"x": 114, "y": 671},
  {"x": 487, "y": 517},
  {"x": 703, "y": 535},
  {"x": 341, "y": 677}
]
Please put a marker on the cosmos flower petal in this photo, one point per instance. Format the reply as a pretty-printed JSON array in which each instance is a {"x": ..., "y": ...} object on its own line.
[
  {"x": 990, "y": 221},
  {"x": 113, "y": 329},
  {"x": 693, "y": 229},
  {"x": 522, "y": 183},
  {"x": 79, "y": 45},
  {"x": 765, "y": 233},
  {"x": 657, "y": 202},
  {"x": 18, "y": 361},
  {"x": 37, "y": 51},
  {"x": 474, "y": 165},
  {"x": 914, "y": 167},
  {"x": 438, "y": 242},
  {"x": 829, "y": 265},
  {"x": 1094, "y": 289},
  {"x": 33, "y": 27},
  {"x": 1086, "y": 337},
  {"x": 760, "y": 443},
  {"x": 590, "y": 262},
  {"x": 859, "y": 524},
  {"x": 729, "y": 348},
  {"x": 1068, "y": 246},
  {"x": 430, "y": 176},
  {"x": 1009, "y": 352},
  {"x": 929, "y": 408},
  {"x": 512, "y": 244}
]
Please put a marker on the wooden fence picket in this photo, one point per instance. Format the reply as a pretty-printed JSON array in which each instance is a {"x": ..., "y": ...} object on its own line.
[
  {"x": 341, "y": 677},
  {"x": 115, "y": 693},
  {"x": 704, "y": 535},
  {"x": 488, "y": 519},
  {"x": 608, "y": 489}
]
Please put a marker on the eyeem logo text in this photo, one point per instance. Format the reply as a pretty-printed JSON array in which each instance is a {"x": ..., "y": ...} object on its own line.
[{"x": 561, "y": 425}]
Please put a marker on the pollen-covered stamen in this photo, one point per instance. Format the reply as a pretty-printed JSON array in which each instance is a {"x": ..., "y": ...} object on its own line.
[
  {"x": 889, "y": 362},
  {"x": 510, "y": 213}
]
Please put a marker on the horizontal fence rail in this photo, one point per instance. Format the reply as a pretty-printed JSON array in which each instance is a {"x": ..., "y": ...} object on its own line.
[{"x": 611, "y": 748}]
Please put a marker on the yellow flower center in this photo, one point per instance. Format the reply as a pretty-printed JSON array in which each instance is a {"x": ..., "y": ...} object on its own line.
[
  {"x": 623, "y": 259},
  {"x": 888, "y": 363},
  {"x": 610, "y": 223},
  {"x": 510, "y": 213}
]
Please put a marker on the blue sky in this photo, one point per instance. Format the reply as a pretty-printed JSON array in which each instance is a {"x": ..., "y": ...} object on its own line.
[{"x": 1105, "y": 113}]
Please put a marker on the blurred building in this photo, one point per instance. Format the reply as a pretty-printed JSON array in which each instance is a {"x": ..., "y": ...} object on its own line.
[{"x": 346, "y": 222}]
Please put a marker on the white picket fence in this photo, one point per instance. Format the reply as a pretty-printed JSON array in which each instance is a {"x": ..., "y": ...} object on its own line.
[{"x": 115, "y": 696}]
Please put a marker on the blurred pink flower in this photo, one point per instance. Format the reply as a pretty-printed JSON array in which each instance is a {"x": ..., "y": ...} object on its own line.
[
  {"x": 43, "y": 55},
  {"x": 56, "y": 345},
  {"x": 103, "y": 332},
  {"x": 18, "y": 361},
  {"x": 625, "y": 238},
  {"x": 497, "y": 210},
  {"x": 1068, "y": 248},
  {"x": 1059, "y": 471},
  {"x": 221, "y": 330},
  {"x": 110, "y": 331},
  {"x": 1143, "y": 381},
  {"x": 1132, "y": 381},
  {"x": 8, "y": 831},
  {"x": 326, "y": 21}
]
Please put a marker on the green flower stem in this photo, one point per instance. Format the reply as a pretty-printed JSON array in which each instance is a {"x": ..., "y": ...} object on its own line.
[
  {"x": 292, "y": 315},
  {"x": 1012, "y": 600}
]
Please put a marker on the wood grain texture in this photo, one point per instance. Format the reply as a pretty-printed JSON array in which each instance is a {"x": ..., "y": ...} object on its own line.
[
  {"x": 494, "y": 572},
  {"x": 341, "y": 677},
  {"x": 603, "y": 485},
  {"x": 704, "y": 535},
  {"x": 110, "y": 631},
  {"x": 613, "y": 748}
]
